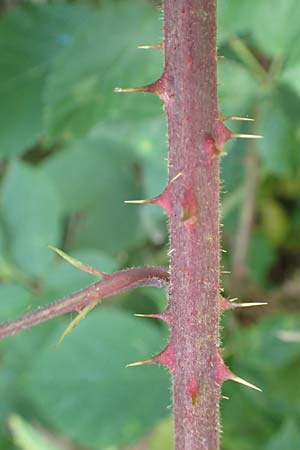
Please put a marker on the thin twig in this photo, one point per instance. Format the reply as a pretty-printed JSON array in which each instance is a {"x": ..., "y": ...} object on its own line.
[{"x": 111, "y": 285}]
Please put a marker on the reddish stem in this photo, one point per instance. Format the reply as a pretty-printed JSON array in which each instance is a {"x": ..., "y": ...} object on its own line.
[
  {"x": 195, "y": 138},
  {"x": 111, "y": 285}
]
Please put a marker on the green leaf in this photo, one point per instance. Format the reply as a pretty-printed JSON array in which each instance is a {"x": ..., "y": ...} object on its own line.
[
  {"x": 31, "y": 210},
  {"x": 263, "y": 346},
  {"x": 84, "y": 390},
  {"x": 148, "y": 141},
  {"x": 28, "y": 437},
  {"x": 280, "y": 146},
  {"x": 95, "y": 177},
  {"x": 235, "y": 16},
  {"x": 233, "y": 101},
  {"x": 276, "y": 26},
  {"x": 162, "y": 437},
  {"x": 30, "y": 39},
  {"x": 79, "y": 91},
  {"x": 291, "y": 69},
  {"x": 272, "y": 25},
  {"x": 261, "y": 257},
  {"x": 13, "y": 301},
  {"x": 288, "y": 437}
]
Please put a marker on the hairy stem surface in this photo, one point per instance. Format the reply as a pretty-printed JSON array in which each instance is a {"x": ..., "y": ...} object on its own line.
[{"x": 194, "y": 128}]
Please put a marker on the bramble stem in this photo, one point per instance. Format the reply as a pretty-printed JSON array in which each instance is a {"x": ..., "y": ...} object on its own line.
[{"x": 193, "y": 120}]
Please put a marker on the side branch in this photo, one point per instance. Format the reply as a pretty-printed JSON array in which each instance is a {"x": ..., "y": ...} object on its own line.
[{"x": 112, "y": 284}]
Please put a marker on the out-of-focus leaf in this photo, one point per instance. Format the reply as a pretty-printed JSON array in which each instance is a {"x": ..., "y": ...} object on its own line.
[
  {"x": 291, "y": 68},
  {"x": 13, "y": 301},
  {"x": 257, "y": 354},
  {"x": 273, "y": 29},
  {"x": 233, "y": 101},
  {"x": 148, "y": 140},
  {"x": 28, "y": 437},
  {"x": 80, "y": 89},
  {"x": 272, "y": 26},
  {"x": 30, "y": 38},
  {"x": 288, "y": 437},
  {"x": 162, "y": 438},
  {"x": 289, "y": 102},
  {"x": 31, "y": 210},
  {"x": 148, "y": 143},
  {"x": 275, "y": 221},
  {"x": 260, "y": 342},
  {"x": 244, "y": 425},
  {"x": 101, "y": 178},
  {"x": 235, "y": 16},
  {"x": 280, "y": 146},
  {"x": 84, "y": 389},
  {"x": 261, "y": 257}
]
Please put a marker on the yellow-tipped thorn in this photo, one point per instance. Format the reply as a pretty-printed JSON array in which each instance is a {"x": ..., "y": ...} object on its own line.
[
  {"x": 146, "y": 316},
  {"x": 225, "y": 271},
  {"x": 246, "y": 136},
  {"x": 74, "y": 262},
  {"x": 224, "y": 397},
  {"x": 140, "y": 363},
  {"x": 243, "y": 119},
  {"x": 244, "y": 382},
  {"x": 245, "y": 305},
  {"x": 153, "y": 46},
  {"x": 233, "y": 299},
  {"x": 139, "y": 202},
  {"x": 133, "y": 89}
]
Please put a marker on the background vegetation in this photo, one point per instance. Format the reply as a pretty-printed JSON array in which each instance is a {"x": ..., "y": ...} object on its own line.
[{"x": 71, "y": 151}]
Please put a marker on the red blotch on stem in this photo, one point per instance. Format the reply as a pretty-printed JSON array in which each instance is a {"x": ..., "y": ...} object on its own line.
[
  {"x": 210, "y": 148},
  {"x": 193, "y": 390},
  {"x": 190, "y": 208}
]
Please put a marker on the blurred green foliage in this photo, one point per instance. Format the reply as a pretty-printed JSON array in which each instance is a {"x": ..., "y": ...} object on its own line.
[{"x": 71, "y": 151}]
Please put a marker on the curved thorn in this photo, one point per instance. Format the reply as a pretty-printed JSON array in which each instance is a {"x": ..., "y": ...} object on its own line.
[
  {"x": 74, "y": 262},
  {"x": 244, "y": 382}
]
